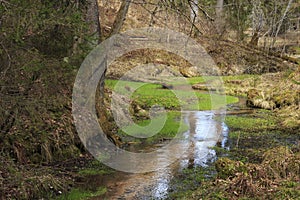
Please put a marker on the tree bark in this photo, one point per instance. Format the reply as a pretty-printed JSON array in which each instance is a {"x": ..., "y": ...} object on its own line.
[
  {"x": 120, "y": 18},
  {"x": 100, "y": 105},
  {"x": 194, "y": 10},
  {"x": 220, "y": 16},
  {"x": 92, "y": 18},
  {"x": 281, "y": 21}
]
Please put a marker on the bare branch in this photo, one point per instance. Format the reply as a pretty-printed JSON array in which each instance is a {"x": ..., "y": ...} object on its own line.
[{"x": 202, "y": 10}]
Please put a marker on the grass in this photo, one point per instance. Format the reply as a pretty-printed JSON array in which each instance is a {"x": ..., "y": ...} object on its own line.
[
  {"x": 91, "y": 172},
  {"x": 148, "y": 95},
  {"x": 203, "y": 79},
  {"x": 239, "y": 77},
  {"x": 160, "y": 127},
  {"x": 95, "y": 167},
  {"x": 250, "y": 136},
  {"x": 93, "y": 189},
  {"x": 250, "y": 122},
  {"x": 79, "y": 194}
]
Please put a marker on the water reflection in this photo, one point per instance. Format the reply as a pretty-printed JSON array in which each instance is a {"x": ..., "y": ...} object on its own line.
[{"x": 206, "y": 130}]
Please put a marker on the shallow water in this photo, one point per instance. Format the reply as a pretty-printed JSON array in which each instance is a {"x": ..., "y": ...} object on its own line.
[{"x": 206, "y": 130}]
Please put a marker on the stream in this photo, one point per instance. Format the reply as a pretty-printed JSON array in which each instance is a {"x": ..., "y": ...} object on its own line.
[{"x": 206, "y": 130}]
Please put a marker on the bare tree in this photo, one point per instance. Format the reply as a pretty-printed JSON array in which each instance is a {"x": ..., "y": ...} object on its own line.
[
  {"x": 267, "y": 20},
  {"x": 281, "y": 20}
]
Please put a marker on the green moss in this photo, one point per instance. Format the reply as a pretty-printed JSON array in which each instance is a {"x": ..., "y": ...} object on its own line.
[
  {"x": 79, "y": 194},
  {"x": 250, "y": 122},
  {"x": 173, "y": 125},
  {"x": 148, "y": 95},
  {"x": 189, "y": 180},
  {"x": 86, "y": 172},
  {"x": 228, "y": 168},
  {"x": 95, "y": 167}
]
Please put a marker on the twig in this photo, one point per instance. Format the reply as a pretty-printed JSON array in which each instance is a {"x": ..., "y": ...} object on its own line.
[
  {"x": 203, "y": 11},
  {"x": 150, "y": 12},
  {"x": 194, "y": 18}
]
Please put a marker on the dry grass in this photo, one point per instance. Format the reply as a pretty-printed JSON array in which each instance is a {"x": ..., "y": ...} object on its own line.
[{"x": 259, "y": 180}]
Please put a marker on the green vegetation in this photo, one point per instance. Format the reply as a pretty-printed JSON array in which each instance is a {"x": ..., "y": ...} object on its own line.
[
  {"x": 95, "y": 167},
  {"x": 43, "y": 43},
  {"x": 253, "y": 134},
  {"x": 79, "y": 194},
  {"x": 276, "y": 177},
  {"x": 173, "y": 125},
  {"x": 263, "y": 162},
  {"x": 92, "y": 171},
  {"x": 148, "y": 94},
  {"x": 189, "y": 180},
  {"x": 194, "y": 80},
  {"x": 251, "y": 123}
]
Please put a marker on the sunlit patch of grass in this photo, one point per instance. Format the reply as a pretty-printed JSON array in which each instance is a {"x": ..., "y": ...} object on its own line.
[
  {"x": 212, "y": 101},
  {"x": 174, "y": 124},
  {"x": 195, "y": 80},
  {"x": 148, "y": 95},
  {"x": 79, "y": 194},
  {"x": 250, "y": 122}
]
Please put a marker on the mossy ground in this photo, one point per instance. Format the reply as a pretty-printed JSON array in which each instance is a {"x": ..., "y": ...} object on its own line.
[
  {"x": 173, "y": 125},
  {"x": 80, "y": 194},
  {"x": 263, "y": 162},
  {"x": 147, "y": 95},
  {"x": 251, "y": 138}
]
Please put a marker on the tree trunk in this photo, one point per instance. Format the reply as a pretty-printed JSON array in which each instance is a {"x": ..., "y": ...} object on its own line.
[
  {"x": 120, "y": 18},
  {"x": 92, "y": 18},
  {"x": 281, "y": 21},
  {"x": 118, "y": 23},
  {"x": 100, "y": 101},
  {"x": 220, "y": 16},
  {"x": 254, "y": 39}
]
